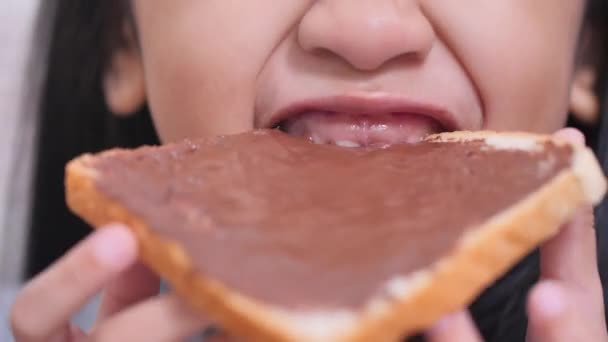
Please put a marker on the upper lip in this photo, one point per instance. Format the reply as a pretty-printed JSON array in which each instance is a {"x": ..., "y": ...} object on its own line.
[{"x": 368, "y": 104}]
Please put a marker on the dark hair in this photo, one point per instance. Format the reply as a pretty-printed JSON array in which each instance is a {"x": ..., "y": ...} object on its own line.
[{"x": 74, "y": 119}]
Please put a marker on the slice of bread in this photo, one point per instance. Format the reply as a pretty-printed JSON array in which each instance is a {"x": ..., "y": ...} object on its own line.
[{"x": 413, "y": 300}]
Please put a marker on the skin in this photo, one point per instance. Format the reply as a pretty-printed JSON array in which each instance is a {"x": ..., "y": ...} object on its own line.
[{"x": 224, "y": 66}]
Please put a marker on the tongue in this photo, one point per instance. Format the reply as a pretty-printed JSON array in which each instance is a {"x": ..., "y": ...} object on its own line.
[{"x": 361, "y": 129}]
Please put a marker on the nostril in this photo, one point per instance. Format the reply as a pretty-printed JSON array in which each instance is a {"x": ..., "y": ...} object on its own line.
[{"x": 325, "y": 53}]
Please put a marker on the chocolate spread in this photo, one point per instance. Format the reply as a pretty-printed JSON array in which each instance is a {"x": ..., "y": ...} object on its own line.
[{"x": 318, "y": 226}]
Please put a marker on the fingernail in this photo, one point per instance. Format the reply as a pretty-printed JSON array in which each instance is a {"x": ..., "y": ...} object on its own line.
[
  {"x": 573, "y": 135},
  {"x": 114, "y": 247},
  {"x": 549, "y": 300}
]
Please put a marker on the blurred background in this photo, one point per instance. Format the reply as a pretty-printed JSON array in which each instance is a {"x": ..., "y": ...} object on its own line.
[
  {"x": 17, "y": 109},
  {"x": 17, "y": 103}
]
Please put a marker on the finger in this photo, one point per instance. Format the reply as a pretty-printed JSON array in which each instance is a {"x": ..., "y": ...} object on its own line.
[
  {"x": 164, "y": 318},
  {"x": 556, "y": 313},
  {"x": 134, "y": 285},
  {"x": 455, "y": 327},
  {"x": 44, "y": 307},
  {"x": 572, "y": 135},
  {"x": 571, "y": 255}
]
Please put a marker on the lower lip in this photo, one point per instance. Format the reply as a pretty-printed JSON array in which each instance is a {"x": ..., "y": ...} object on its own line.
[{"x": 355, "y": 130}]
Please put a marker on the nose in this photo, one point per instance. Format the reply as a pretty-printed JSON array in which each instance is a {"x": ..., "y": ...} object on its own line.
[{"x": 366, "y": 33}]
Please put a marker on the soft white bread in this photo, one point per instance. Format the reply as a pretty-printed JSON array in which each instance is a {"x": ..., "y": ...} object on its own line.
[{"x": 415, "y": 301}]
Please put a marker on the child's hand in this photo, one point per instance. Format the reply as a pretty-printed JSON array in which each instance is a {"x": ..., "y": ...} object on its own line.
[
  {"x": 129, "y": 311},
  {"x": 567, "y": 304}
]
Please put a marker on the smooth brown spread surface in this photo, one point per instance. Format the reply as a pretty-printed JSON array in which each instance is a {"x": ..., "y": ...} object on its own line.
[{"x": 309, "y": 226}]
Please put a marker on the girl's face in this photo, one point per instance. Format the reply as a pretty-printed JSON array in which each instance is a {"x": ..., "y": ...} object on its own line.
[{"x": 350, "y": 71}]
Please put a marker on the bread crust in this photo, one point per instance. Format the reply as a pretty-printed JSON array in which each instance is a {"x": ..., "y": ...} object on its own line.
[{"x": 480, "y": 257}]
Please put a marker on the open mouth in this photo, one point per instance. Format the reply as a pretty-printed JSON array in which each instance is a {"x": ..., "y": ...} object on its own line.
[
  {"x": 363, "y": 121},
  {"x": 361, "y": 130}
]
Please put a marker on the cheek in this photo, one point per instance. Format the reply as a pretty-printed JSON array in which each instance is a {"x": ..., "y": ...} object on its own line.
[
  {"x": 202, "y": 58},
  {"x": 193, "y": 95},
  {"x": 520, "y": 55}
]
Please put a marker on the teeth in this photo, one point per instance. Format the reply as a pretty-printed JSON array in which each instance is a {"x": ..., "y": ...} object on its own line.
[
  {"x": 347, "y": 143},
  {"x": 315, "y": 139}
]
